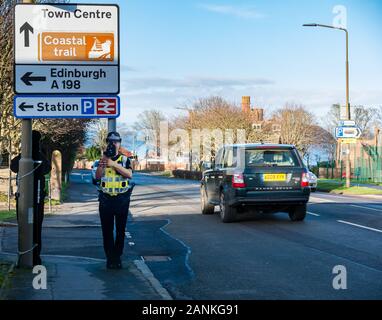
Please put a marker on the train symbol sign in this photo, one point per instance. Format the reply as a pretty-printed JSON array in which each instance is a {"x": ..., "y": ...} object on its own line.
[{"x": 106, "y": 106}]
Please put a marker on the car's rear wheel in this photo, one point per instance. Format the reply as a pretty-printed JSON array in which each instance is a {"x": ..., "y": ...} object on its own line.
[
  {"x": 298, "y": 213},
  {"x": 227, "y": 213},
  {"x": 313, "y": 189},
  {"x": 207, "y": 208}
]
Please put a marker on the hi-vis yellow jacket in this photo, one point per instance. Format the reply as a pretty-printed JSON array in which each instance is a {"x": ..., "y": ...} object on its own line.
[{"x": 113, "y": 183}]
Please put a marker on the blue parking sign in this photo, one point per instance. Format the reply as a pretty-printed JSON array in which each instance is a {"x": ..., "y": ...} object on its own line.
[
  {"x": 339, "y": 132},
  {"x": 87, "y": 106}
]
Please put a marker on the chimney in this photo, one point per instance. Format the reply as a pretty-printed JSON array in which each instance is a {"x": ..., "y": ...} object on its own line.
[
  {"x": 258, "y": 114},
  {"x": 246, "y": 104}
]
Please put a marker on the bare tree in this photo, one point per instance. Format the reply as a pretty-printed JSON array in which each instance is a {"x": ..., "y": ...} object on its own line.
[
  {"x": 98, "y": 133},
  {"x": 9, "y": 126},
  {"x": 216, "y": 113},
  {"x": 378, "y": 117},
  {"x": 332, "y": 118},
  {"x": 364, "y": 117},
  {"x": 148, "y": 123},
  {"x": 297, "y": 127}
]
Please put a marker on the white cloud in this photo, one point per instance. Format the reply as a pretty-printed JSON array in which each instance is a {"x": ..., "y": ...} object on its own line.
[
  {"x": 132, "y": 86},
  {"x": 246, "y": 12}
]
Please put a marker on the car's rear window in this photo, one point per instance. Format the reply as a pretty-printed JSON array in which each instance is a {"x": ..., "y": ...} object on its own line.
[{"x": 271, "y": 158}]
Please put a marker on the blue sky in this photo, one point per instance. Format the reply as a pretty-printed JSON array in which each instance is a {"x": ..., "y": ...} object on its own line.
[{"x": 175, "y": 51}]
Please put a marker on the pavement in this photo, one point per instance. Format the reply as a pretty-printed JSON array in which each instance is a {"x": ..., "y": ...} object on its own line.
[
  {"x": 74, "y": 259},
  {"x": 172, "y": 251}
]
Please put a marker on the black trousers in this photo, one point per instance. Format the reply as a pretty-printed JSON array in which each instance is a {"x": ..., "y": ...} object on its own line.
[
  {"x": 113, "y": 212},
  {"x": 37, "y": 226}
]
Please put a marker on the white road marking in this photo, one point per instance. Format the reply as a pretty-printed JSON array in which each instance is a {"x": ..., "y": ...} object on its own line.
[
  {"x": 313, "y": 214},
  {"x": 359, "y": 226},
  {"x": 320, "y": 200},
  {"x": 354, "y": 205}
]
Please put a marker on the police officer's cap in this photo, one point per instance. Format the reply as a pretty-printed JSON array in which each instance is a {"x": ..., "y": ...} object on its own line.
[{"x": 113, "y": 136}]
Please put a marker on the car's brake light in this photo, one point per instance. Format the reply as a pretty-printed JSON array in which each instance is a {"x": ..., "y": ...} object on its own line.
[
  {"x": 304, "y": 180},
  {"x": 238, "y": 180}
]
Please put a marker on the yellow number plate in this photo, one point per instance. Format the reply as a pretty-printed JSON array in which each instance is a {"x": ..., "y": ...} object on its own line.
[{"x": 274, "y": 177}]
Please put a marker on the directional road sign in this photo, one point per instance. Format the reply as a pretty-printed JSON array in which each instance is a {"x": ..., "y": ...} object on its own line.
[
  {"x": 347, "y": 123},
  {"x": 347, "y": 141},
  {"x": 348, "y": 132},
  {"x": 66, "y": 107},
  {"x": 66, "y": 48}
]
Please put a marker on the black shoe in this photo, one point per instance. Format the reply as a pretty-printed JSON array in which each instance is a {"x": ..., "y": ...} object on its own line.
[
  {"x": 118, "y": 264},
  {"x": 110, "y": 264}
]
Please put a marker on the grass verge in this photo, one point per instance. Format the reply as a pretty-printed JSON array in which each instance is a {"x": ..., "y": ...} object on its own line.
[
  {"x": 336, "y": 188},
  {"x": 5, "y": 276},
  {"x": 7, "y": 215}
]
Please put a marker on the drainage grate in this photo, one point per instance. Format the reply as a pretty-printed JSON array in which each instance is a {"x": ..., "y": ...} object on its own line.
[{"x": 156, "y": 258}]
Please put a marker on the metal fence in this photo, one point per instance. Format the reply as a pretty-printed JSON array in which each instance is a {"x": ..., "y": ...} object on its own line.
[{"x": 366, "y": 165}]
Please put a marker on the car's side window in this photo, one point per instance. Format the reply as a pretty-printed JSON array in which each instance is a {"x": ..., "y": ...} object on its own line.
[
  {"x": 230, "y": 158},
  {"x": 219, "y": 159}
]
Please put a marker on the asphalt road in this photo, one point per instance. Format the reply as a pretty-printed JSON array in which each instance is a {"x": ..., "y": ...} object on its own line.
[
  {"x": 199, "y": 257},
  {"x": 264, "y": 257}
]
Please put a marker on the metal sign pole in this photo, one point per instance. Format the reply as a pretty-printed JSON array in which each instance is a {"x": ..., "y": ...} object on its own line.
[
  {"x": 25, "y": 188},
  {"x": 25, "y": 205},
  {"x": 111, "y": 125}
]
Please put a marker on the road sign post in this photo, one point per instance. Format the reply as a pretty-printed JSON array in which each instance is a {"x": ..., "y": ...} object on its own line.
[
  {"x": 25, "y": 197},
  {"x": 25, "y": 190},
  {"x": 61, "y": 49}
]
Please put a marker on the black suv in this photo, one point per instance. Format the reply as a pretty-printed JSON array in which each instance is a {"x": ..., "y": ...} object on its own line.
[{"x": 267, "y": 178}]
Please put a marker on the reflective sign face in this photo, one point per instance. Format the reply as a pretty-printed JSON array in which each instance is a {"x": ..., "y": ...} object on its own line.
[
  {"x": 66, "y": 107},
  {"x": 71, "y": 46},
  {"x": 348, "y": 132},
  {"x": 55, "y": 79},
  {"x": 66, "y": 48}
]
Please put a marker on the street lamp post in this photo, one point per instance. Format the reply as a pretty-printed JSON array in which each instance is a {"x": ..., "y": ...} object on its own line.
[{"x": 348, "y": 114}]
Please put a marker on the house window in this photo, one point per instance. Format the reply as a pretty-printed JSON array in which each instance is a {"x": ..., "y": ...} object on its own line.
[
  {"x": 276, "y": 128},
  {"x": 257, "y": 126}
]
